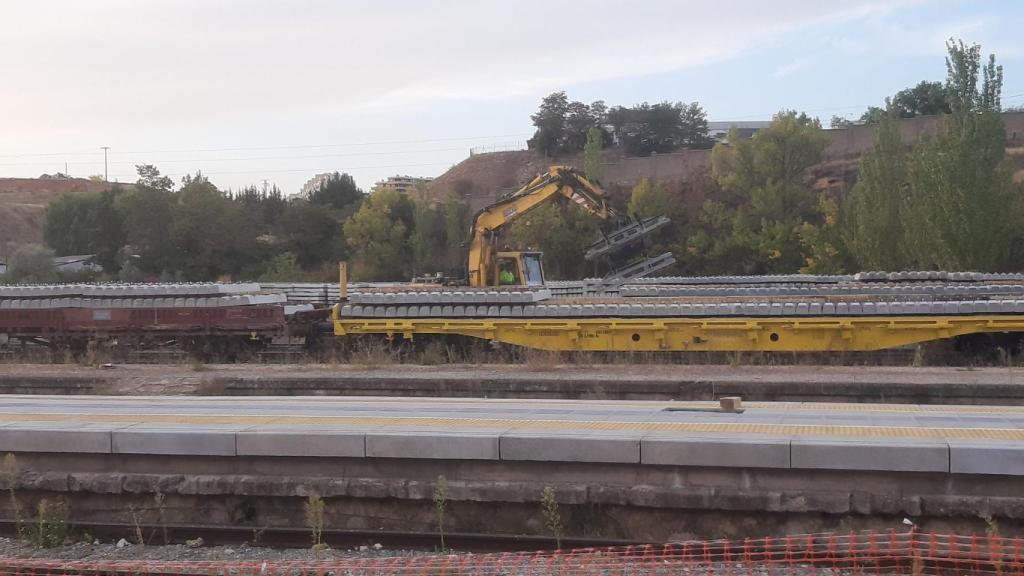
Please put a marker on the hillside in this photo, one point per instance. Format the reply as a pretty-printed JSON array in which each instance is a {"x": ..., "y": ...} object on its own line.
[{"x": 23, "y": 207}]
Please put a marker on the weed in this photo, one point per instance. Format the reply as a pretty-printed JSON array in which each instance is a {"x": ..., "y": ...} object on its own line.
[
  {"x": 735, "y": 359},
  {"x": 315, "y": 521},
  {"x": 918, "y": 359},
  {"x": 52, "y": 526},
  {"x": 440, "y": 503},
  {"x": 136, "y": 526},
  {"x": 433, "y": 353},
  {"x": 11, "y": 476},
  {"x": 540, "y": 360},
  {"x": 158, "y": 499},
  {"x": 552, "y": 518},
  {"x": 991, "y": 526}
]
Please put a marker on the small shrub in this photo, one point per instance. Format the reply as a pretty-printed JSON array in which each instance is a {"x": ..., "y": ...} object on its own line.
[
  {"x": 552, "y": 517},
  {"x": 315, "y": 521},
  {"x": 52, "y": 528},
  {"x": 158, "y": 499},
  {"x": 440, "y": 503},
  {"x": 11, "y": 477}
]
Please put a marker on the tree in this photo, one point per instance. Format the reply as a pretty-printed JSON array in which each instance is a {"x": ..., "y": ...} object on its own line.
[
  {"x": 427, "y": 238},
  {"x": 962, "y": 209},
  {"x": 876, "y": 235},
  {"x": 338, "y": 191},
  {"x": 149, "y": 177},
  {"x": 311, "y": 233},
  {"x": 924, "y": 99},
  {"x": 662, "y": 127},
  {"x": 756, "y": 229},
  {"x": 592, "y": 154},
  {"x": 31, "y": 264},
  {"x": 210, "y": 234},
  {"x": 693, "y": 127},
  {"x": 550, "y": 123},
  {"x": 379, "y": 237}
]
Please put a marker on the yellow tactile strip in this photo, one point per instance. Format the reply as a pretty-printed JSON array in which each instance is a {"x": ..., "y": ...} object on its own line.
[{"x": 1012, "y": 434}]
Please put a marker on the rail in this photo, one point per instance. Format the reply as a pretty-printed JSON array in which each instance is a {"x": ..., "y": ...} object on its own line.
[{"x": 855, "y": 554}]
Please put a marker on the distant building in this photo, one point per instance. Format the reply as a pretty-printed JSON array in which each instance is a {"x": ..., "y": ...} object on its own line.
[
  {"x": 314, "y": 183},
  {"x": 719, "y": 131},
  {"x": 403, "y": 184}
]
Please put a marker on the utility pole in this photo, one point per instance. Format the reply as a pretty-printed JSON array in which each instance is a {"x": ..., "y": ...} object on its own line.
[{"x": 106, "y": 177}]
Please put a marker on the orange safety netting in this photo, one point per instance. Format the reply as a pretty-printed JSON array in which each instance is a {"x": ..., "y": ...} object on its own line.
[{"x": 855, "y": 554}]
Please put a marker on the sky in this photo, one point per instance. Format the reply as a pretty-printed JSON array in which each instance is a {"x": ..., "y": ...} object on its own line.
[{"x": 248, "y": 91}]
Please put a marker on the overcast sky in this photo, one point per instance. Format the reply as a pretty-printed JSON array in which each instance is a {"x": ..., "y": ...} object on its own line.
[{"x": 250, "y": 90}]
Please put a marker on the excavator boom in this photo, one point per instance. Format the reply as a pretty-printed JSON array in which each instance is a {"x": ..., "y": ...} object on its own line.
[{"x": 486, "y": 266}]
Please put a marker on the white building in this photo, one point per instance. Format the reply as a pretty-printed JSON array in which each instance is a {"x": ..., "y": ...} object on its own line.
[
  {"x": 403, "y": 184},
  {"x": 719, "y": 131}
]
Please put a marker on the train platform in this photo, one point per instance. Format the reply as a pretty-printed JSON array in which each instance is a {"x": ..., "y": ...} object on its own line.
[{"x": 983, "y": 440}]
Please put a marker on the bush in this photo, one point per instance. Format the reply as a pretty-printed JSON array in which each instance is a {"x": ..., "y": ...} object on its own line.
[{"x": 31, "y": 264}]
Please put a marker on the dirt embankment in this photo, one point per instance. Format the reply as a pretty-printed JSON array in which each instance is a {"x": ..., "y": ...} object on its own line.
[{"x": 23, "y": 207}]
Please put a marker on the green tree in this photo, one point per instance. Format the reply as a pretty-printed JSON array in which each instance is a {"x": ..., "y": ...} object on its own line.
[
  {"x": 338, "y": 191},
  {"x": 31, "y": 264},
  {"x": 592, "y": 160},
  {"x": 550, "y": 123},
  {"x": 210, "y": 234},
  {"x": 962, "y": 209},
  {"x": 150, "y": 177},
  {"x": 456, "y": 227},
  {"x": 876, "y": 233},
  {"x": 756, "y": 229},
  {"x": 146, "y": 214},
  {"x": 378, "y": 235},
  {"x": 427, "y": 237}
]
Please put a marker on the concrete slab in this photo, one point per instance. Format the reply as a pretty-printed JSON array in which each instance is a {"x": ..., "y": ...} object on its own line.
[
  {"x": 907, "y": 455},
  {"x": 320, "y": 443},
  {"x": 549, "y": 447},
  {"x": 433, "y": 444},
  {"x": 966, "y": 457},
  {"x": 174, "y": 441},
  {"x": 67, "y": 440},
  {"x": 742, "y": 451}
]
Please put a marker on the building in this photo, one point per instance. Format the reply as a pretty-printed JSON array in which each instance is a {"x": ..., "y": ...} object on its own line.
[
  {"x": 719, "y": 131},
  {"x": 314, "y": 183},
  {"x": 403, "y": 184}
]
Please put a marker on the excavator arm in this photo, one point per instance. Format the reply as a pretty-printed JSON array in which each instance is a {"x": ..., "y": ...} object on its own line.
[{"x": 491, "y": 220}]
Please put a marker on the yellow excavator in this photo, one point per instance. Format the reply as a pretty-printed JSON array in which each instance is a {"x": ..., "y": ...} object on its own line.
[{"x": 486, "y": 266}]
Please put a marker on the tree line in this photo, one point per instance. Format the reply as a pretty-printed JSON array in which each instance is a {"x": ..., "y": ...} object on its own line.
[
  {"x": 154, "y": 230},
  {"x": 564, "y": 127}
]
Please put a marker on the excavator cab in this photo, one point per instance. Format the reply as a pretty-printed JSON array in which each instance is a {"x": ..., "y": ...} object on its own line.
[{"x": 519, "y": 269}]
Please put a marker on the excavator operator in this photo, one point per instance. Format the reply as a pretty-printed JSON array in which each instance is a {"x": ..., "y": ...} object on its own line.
[{"x": 506, "y": 273}]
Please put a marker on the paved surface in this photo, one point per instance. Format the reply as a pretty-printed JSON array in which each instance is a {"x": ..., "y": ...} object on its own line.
[
  {"x": 900, "y": 438},
  {"x": 636, "y": 381}
]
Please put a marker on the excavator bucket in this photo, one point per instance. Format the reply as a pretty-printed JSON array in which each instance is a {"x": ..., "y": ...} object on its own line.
[{"x": 625, "y": 236}]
